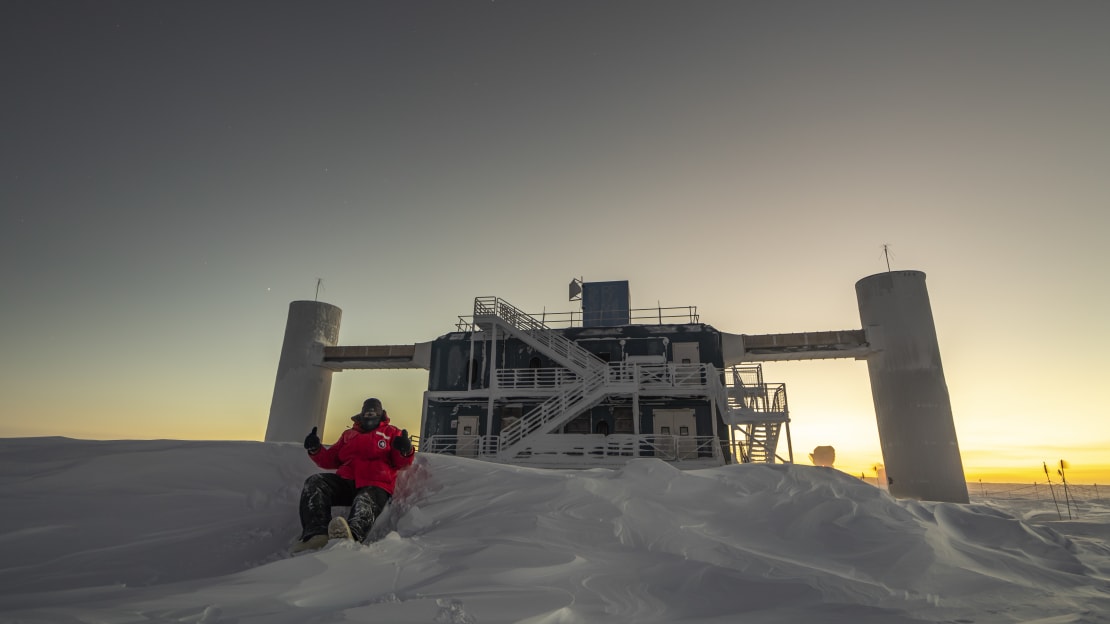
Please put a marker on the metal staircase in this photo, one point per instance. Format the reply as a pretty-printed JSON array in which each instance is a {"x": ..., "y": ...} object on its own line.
[
  {"x": 762, "y": 439},
  {"x": 572, "y": 399},
  {"x": 756, "y": 414},
  {"x": 492, "y": 311},
  {"x": 556, "y": 411}
]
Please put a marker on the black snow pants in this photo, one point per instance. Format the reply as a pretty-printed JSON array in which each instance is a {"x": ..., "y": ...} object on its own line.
[{"x": 326, "y": 490}]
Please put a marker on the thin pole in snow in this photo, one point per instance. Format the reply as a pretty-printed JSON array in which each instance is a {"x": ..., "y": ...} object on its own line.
[
  {"x": 1067, "y": 495},
  {"x": 1054, "y": 501}
]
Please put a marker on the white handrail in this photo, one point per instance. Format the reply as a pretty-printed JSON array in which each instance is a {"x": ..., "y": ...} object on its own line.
[
  {"x": 535, "y": 378},
  {"x": 614, "y": 447},
  {"x": 553, "y": 342},
  {"x": 623, "y": 446}
]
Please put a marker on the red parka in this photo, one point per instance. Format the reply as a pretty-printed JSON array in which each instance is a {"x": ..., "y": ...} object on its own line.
[{"x": 366, "y": 457}]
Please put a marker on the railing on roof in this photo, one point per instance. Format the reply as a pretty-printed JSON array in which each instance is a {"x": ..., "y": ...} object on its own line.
[{"x": 677, "y": 315}]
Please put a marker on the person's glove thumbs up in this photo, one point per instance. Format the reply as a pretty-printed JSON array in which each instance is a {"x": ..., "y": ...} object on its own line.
[
  {"x": 312, "y": 442},
  {"x": 403, "y": 443}
]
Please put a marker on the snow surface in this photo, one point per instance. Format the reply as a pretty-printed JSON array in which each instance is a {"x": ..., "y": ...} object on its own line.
[{"x": 183, "y": 531}]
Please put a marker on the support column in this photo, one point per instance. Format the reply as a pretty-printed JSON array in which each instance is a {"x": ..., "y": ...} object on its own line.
[
  {"x": 492, "y": 379},
  {"x": 912, "y": 406},
  {"x": 713, "y": 420},
  {"x": 303, "y": 384}
]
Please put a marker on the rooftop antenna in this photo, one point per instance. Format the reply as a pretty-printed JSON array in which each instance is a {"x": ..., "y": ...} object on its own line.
[
  {"x": 886, "y": 254},
  {"x": 319, "y": 283}
]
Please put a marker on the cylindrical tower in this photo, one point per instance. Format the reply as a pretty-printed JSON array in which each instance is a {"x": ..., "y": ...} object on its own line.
[
  {"x": 914, "y": 413},
  {"x": 303, "y": 384}
]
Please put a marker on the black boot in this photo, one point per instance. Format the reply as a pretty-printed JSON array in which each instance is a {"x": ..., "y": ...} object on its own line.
[
  {"x": 366, "y": 507},
  {"x": 321, "y": 492}
]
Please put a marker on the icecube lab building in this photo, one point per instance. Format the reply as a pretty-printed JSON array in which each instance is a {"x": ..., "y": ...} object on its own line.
[{"x": 612, "y": 382}]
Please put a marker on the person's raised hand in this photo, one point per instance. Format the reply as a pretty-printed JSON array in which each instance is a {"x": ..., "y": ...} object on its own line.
[
  {"x": 312, "y": 442},
  {"x": 403, "y": 443}
]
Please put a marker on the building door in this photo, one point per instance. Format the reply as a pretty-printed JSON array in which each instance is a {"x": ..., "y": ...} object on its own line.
[
  {"x": 467, "y": 437},
  {"x": 687, "y": 360},
  {"x": 675, "y": 433},
  {"x": 686, "y": 352}
]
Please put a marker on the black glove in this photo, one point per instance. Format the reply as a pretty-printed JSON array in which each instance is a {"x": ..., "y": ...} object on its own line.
[
  {"x": 312, "y": 442},
  {"x": 403, "y": 443}
]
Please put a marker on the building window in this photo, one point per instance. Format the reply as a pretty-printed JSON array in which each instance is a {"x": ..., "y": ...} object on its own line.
[
  {"x": 622, "y": 420},
  {"x": 578, "y": 425},
  {"x": 475, "y": 373}
]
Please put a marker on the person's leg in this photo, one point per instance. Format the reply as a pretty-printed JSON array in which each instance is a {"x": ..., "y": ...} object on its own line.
[
  {"x": 321, "y": 492},
  {"x": 366, "y": 507}
]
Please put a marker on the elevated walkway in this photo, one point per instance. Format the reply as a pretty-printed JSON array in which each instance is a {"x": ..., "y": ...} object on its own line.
[
  {"x": 821, "y": 345},
  {"x": 378, "y": 357}
]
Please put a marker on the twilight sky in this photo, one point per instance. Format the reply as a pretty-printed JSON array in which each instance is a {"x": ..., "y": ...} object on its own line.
[{"x": 173, "y": 174}]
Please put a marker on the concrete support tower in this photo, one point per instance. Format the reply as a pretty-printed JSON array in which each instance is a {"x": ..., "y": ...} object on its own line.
[
  {"x": 914, "y": 413},
  {"x": 303, "y": 384}
]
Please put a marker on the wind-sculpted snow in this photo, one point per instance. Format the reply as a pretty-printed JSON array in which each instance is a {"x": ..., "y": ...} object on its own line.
[{"x": 169, "y": 531}]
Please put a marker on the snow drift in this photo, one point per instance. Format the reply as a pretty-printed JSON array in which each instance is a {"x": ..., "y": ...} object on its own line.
[{"x": 174, "y": 531}]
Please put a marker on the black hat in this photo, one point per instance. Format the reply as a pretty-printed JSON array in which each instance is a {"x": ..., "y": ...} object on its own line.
[{"x": 371, "y": 402}]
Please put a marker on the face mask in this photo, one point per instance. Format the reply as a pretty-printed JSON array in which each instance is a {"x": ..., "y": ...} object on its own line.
[{"x": 369, "y": 421}]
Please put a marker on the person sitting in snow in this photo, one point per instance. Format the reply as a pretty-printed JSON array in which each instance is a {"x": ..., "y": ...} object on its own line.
[{"x": 366, "y": 459}]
